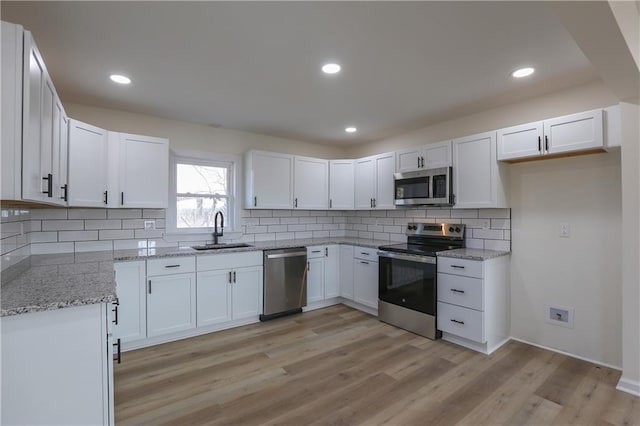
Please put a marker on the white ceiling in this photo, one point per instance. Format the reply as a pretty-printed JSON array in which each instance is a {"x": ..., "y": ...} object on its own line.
[{"x": 255, "y": 66}]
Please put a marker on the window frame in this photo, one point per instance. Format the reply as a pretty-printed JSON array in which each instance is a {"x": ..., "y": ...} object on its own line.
[{"x": 231, "y": 162}]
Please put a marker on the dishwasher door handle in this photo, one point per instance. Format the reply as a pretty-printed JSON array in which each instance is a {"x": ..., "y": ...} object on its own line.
[{"x": 281, "y": 255}]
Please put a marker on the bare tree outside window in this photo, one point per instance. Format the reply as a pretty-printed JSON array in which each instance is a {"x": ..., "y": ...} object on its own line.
[{"x": 201, "y": 192}]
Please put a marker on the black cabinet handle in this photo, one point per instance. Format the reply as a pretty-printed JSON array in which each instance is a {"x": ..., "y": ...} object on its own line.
[
  {"x": 326, "y": 252},
  {"x": 371, "y": 202},
  {"x": 458, "y": 322},
  {"x": 234, "y": 276},
  {"x": 117, "y": 344},
  {"x": 65, "y": 192},
  {"x": 295, "y": 203},
  {"x": 172, "y": 266},
  {"x": 546, "y": 143},
  {"x": 316, "y": 251},
  {"x": 539, "y": 143},
  {"x": 455, "y": 290},
  {"x": 255, "y": 201},
  {"x": 422, "y": 158},
  {"x": 308, "y": 266},
  {"x": 330, "y": 203},
  {"x": 115, "y": 312},
  {"x": 122, "y": 198},
  {"x": 363, "y": 262},
  {"x": 149, "y": 286},
  {"x": 375, "y": 203},
  {"x": 49, "y": 190},
  {"x": 364, "y": 253},
  {"x": 230, "y": 277},
  {"x": 457, "y": 266},
  {"x": 106, "y": 197},
  {"x": 418, "y": 162}
]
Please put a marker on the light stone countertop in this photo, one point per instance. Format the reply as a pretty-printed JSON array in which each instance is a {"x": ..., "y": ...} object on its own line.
[{"x": 473, "y": 254}]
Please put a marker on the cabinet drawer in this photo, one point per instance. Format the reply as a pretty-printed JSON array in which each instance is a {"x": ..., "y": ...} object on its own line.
[
  {"x": 461, "y": 291},
  {"x": 366, "y": 253},
  {"x": 315, "y": 251},
  {"x": 229, "y": 260},
  {"x": 464, "y": 267},
  {"x": 463, "y": 322},
  {"x": 171, "y": 265}
]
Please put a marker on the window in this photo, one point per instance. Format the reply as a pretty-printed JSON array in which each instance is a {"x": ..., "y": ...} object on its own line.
[{"x": 200, "y": 189}]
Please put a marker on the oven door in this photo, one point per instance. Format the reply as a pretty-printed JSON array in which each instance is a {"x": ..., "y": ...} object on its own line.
[{"x": 408, "y": 281}]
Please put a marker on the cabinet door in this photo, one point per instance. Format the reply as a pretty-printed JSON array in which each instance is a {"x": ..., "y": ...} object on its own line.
[
  {"x": 144, "y": 171},
  {"x": 171, "y": 303},
  {"x": 311, "y": 183},
  {"x": 437, "y": 155},
  {"x": 332, "y": 271},
  {"x": 341, "y": 180},
  {"x": 385, "y": 167},
  {"x": 246, "y": 292},
  {"x": 87, "y": 165},
  {"x": 132, "y": 308},
  {"x": 574, "y": 132},
  {"x": 366, "y": 283},
  {"x": 474, "y": 171},
  {"x": 409, "y": 160},
  {"x": 521, "y": 141},
  {"x": 315, "y": 279},
  {"x": 63, "y": 158},
  {"x": 213, "y": 297},
  {"x": 35, "y": 77},
  {"x": 346, "y": 272},
  {"x": 365, "y": 183},
  {"x": 269, "y": 180}
]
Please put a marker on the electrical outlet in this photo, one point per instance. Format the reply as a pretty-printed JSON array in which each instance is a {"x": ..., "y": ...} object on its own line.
[
  {"x": 486, "y": 223},
  {"x": 558, "y": 315},
  {"x": 565, "y": 230},
  {"x": 149, "y": 225}
]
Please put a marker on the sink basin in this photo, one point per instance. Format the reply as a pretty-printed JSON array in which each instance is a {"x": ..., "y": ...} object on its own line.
[{"x": 220, "y": 246}]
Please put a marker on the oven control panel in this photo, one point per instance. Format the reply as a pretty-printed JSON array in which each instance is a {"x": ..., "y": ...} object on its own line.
[{"x": 451, "y": 230}]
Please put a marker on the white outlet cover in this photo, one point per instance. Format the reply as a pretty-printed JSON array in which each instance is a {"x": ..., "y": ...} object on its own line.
[
  {"x": 550, "y": 320},
  {"x": 149, "y": 224},
  {"x": 486, "y": 223},
  {"x": 565, "y": 230}
]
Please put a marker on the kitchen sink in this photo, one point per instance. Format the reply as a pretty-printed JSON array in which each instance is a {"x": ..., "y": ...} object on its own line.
[{"x": 220, "y": 246}]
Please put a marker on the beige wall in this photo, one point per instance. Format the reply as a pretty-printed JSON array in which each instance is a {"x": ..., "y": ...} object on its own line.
[{"x": 196, "y": 137}]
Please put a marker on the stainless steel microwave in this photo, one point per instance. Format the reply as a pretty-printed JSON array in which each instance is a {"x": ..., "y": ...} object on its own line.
[{"x": 424, "y": 187}]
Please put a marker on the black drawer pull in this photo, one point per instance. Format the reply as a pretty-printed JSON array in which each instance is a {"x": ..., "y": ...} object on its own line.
[
  {"x": 106, "y": 197},
  {"x": 363, "y": 262},
  {"x": 172, "y": 266},
  {"x": 457, "y": 266},
  {"x": 455, "y": 290},
  {"x": 115, "y": 312},
  {"x": 149, "y": 286},
  {"x": 458, "y": 322},
  {"x": 366, "y": 254},
  {"x": 117, "y": 344},
  {"x": 316, "y": 251}
]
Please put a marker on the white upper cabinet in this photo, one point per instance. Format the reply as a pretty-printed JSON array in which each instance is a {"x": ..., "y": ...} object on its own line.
[
  {"x": 143, "y": 171},
  {"x": 479, "y": 181},
  {"x": 11, "y": 111},
  {"x": 88, "y": 154},
  {"x": 560, "y": 135},
  {"x": 374, "y": 182},
  {"x": 311, "y": 183},
  {"x": 430, "y": 156},
  {"x": 268, "y": 180},
  {"x": 42, "y": 115},
  {"x": 341, "y": 180}
]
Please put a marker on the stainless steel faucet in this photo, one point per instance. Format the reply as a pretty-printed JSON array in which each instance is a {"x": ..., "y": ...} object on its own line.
[{"x": 217, "y": 234}]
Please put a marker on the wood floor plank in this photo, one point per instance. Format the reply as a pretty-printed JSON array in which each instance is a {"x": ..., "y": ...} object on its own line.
[{"x": 340, "y": 366}]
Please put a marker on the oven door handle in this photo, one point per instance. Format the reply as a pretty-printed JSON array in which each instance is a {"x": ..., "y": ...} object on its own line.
[{"x": 408, "y": 257}]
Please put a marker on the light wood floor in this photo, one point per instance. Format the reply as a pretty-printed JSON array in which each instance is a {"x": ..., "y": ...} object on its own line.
[{"x": 341, "y": 366}]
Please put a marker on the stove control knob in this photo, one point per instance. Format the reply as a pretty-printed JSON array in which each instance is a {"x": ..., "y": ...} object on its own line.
[
  {"x": 457, "y": 229},
  {"x": 451, "y": 229}
]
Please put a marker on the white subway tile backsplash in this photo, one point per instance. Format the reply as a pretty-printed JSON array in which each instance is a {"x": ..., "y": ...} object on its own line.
[
  {"x": 277, "y": 228},
  {"x": 265, "y": 237},
  {"x": 320, "y": 234},
  {"x": 151, "y": 233},
  {"x": 285, "y": 236},
  {"x": 77, "y": 236},
  {"x": 305, "y": 220},
  {"x": 438, "y": 213},
  {"x": 473, "y": 243},
  {"x": 375, "y": 228},
  {"x": 116, "y": 234},
  {"x": 36, "y": 225},
  {"x": 282, "y": 213},
  {"x": 44, "y": 237},
  {"x": 324, "y": 219},
  {"x": 500, "y": 223},
  {"x": 393, "y": 229},
  {"x": 261, "y": 213},
  {"x": 124, "y": 214},
  {"x": 153, "y": 213},
  {"x": 296, "y": 228},
  {"x": 8, "y": 245},
  {"x": 303, "y": 234},
  {"x": 87, "y": 213},
  {"x": 48, "y": 248},
  {"x": 129, "y": 244},
  {"x": 257, "y": 229},
  {"x": 270, "y": 221},
  {"x": 395, "y": 213},
  {"x": 102, "y": 224},
  {"x": 381, "y": 236},
  {"x": 49, "y": 214},
  {"x": 62, "y": 225},
  {"x": 314, "y": 227},
  {"x": 337, "y": 233},
  {"x": 132, "y": 224},
  {"x": 365, "y": 234},
  {"x": 488, "y": 234},
  {"x": 494, "y": 213},
  {"x": 464, "y": 213},
  {"x": 289, "y": 220},
  {"x": 93, "y": 246},
  {"x": 330, "y": 227},
  {"x": 502, "y": 245}
]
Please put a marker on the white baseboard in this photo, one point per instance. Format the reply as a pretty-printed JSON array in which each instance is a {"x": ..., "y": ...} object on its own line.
[
  {"x": 359, "y": 306},
  {"x": 593, "y": 361},
  {"x": 629, "y": 386}
]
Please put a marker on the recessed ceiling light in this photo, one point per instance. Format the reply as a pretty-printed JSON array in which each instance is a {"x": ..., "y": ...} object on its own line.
[
  {"x": 523, "y": 72},
  {"x": 331, "y": 68},
  {"x": 120, "y": 79},
  {"x": 351, "y": 129}
]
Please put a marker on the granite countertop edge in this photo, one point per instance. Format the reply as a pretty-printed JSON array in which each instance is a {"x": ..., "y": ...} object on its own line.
[
  {"x": 110, "y": 298},
  {"x": 473, "y": 254}
]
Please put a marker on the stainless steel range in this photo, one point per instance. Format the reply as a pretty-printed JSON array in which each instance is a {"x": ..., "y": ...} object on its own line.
[{"x": 407, "y": 280}]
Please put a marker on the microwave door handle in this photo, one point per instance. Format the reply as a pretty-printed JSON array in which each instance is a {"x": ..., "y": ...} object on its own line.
[{"x": 429, "y": 187}]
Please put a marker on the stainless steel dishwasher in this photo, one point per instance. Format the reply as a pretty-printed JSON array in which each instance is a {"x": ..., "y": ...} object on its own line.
[{"x": 285, "y": 282}]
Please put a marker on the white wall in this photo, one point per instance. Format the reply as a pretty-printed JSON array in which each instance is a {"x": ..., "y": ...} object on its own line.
[{"x": 196, "y": 137}]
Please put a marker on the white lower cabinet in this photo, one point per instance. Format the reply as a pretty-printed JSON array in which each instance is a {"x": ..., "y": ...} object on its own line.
[
  {"x": 229, "y": 287},
  {"x": 365, "y": 268},
  {"x": 171, "y": 297},
  {"x": 323, "y": 267},
  {"x": 57, "y": 367},
  {"x": 131, "y": 322},
  {"x": 346, "y": 271},
  {"x": 473, "y": 302}
]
